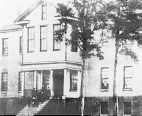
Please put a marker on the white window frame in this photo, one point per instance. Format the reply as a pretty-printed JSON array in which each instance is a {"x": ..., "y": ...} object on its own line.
[
  {"x": 56, "y": 43},
  {"x": 4, "y": 81},
  {"x": 43, "y": 38},
  {"x": 5, "y": 46},
  {"x": 44, "y": 11},
  {"x": 105, "y": 77},
  {"x": 73, "y": 81},
  {"x": 128, "y": 76},
  {"x": 31, "y": 39}
]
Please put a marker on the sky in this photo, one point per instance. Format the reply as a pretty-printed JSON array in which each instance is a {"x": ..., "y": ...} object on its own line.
[{"x": 9, "y": 9}]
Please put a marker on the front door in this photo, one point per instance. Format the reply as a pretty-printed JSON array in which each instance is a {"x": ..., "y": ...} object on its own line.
[{"x": 58, "y": 81}]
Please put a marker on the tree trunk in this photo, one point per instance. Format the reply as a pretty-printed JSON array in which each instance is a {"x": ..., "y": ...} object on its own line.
[
  {"x": 82, "y": 85},
  {"x": 114, "y": 78}
]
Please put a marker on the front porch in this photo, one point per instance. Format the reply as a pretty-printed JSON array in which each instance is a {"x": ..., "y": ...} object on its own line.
[{"x": 62, "y": 82}]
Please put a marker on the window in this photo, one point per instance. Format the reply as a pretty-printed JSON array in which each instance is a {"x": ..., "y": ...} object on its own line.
[
  {"x": 104, "y": 107},
  {"x": 4, "y": 81},
  {"x": 31, "y": 39},
  {"x": 46, "y": 78},
  {"x": 44, "y": 11},
  {"x": 43, "y": 38},
  {"x": 73, "y": 81},
  {"x": 21, "y": 44},
  {"x": 104, "y": 78},
  {"x": 74, "y": 46},
  {"x": 56, "y": 42},
  {"x": 5, "y": 46},
  {"x": 20, "y": 82},
  {"x": 128, "y": 78},
  {"x": 127, "y": 108},
  {"x": 105, "y": 42}
]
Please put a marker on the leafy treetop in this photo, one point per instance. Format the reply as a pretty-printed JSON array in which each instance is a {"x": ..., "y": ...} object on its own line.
[{"x": 84, "y": 18}]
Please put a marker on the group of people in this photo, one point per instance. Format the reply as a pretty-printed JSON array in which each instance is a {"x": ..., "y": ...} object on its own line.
[{"x": 39, "y": 96}]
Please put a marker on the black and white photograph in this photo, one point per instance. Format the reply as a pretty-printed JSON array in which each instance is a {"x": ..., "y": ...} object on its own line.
[{"x": 71, "y": 57}]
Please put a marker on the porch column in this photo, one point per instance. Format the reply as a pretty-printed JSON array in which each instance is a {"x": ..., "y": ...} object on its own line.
[
  {"x": 41, "y": 79},
  {"x": 51, "y": 83},
  {"x": 66, "y": 83},
  {"x": 35, "y": 80},
  {"x": 79, "y": 83},
  {"x": 23, "y": 82}
]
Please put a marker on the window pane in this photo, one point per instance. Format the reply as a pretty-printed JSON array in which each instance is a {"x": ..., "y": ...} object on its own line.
[
  {"x": 43, "y": 38},
  {"x": 128, "y": 71},
  {"x": 31, "y": 39},
  {"x": 104, "y": 108},
  {"x": 44, "y": 11},
  {"x": 128, "y": 77},
  {"x": 57, "y": 43},
  {"x": 73, "y": 80},
  {"x": 127, "y": 108},
  {"x": 4, "y": 81},
  {"x": 5, "y": 46},
  {"x": 104, "y": 78},
  {"x": 31, "y": 45}
]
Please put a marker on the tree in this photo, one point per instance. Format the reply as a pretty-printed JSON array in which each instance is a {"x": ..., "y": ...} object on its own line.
[
  {"x": 124, "y": 21},
  {"x": 84, "y": 18}
]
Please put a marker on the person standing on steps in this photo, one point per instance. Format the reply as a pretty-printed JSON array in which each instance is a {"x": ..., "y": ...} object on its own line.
[{"x": 48, "y": 92}]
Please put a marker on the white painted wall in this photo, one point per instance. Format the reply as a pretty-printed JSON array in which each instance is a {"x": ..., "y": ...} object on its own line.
[
  {"x": 11, "y": 62},
  {"x": 93, "y": 76},
  {"x": 50, "y": 55}
]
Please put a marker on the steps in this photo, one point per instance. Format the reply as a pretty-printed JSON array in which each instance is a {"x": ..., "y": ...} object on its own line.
[{"x": 31, "y": 111}]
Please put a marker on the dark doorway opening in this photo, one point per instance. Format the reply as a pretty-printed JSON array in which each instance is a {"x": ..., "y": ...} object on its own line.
[{"x": 58, "y": 83}]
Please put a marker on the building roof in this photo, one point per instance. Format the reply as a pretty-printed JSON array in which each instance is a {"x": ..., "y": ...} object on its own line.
[
  {"x": 13, "y": 27},
  {"x": 31, "y": 9},
  {"x": 10, "y": 27}
]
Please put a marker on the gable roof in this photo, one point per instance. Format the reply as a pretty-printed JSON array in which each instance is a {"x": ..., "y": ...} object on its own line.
[
  {"x": 10, "y": 27},
  {"x": 31, "y": 9}
]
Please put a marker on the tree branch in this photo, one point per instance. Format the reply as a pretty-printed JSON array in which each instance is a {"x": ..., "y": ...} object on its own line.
[
  {"x": 102, "y": 34},
  {"x": 79, "y": 46}
]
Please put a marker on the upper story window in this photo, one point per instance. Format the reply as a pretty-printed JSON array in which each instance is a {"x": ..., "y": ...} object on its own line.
[
  {"x": 128, "y": 78},
  {"x": 104, "y": 78},
  {"x": 5, "y": 46},
  {"x": 31, "y": 39},
  {"x": 4, "y": 81},
  {"x": 105, "y": 42},
  {"x": 21, "y": 44},
  {"x": 73, "y": 81},
  {"x": 104, "y": 108},
  {"x": 44, "y": 11},
  {"x": 127, "y": 108},
  {"x": 20, "y": 82},
  {"x": 56, "y": 42},
  {"x": 43, "y": 38},
  {"x": 74, "y": 46}
]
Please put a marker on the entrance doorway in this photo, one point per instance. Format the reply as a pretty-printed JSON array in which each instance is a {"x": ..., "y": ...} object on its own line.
[{"x": 58, "y": 83}]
